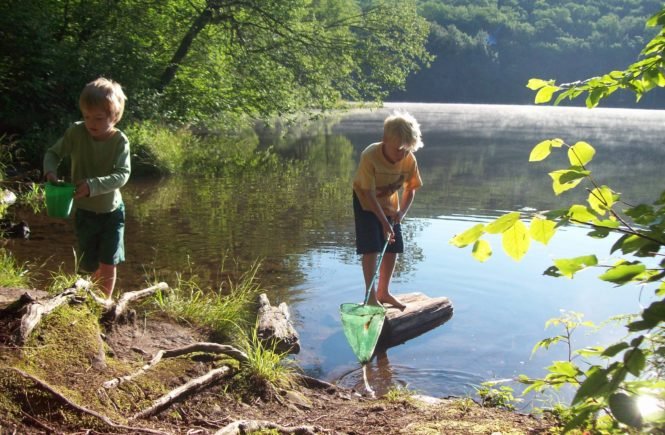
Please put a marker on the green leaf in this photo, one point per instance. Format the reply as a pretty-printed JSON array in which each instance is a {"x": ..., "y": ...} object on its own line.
[
  {"x": 515, "y": 241},
  {"x": 654, "y": 313},
  {"x": 535, "y": 84},
  {"x": 593, "y": 386},
  {"x": 542, "y": 230},
  {"x": 482, "y": 250},
  {"x": 469, "y": 236},
  {"x": 625, "y": 409},
  {"x": 580, "y": 154},
  {"x": 543, "y": 149},
  {"x": 623, "y": 273},
  {"x": 564, "y": 368},
  {"x": 501, "y": 224},
  {"x": 544, "y": 95},
  {"x": 601, "y": 199},
  {"x": 566, "y": 179},
  {"x": 615, "y": 349},
  {"x": 581, "y": 213},
  {"x": 635, "y": 361},
  {"x": 569, "y": 266}
]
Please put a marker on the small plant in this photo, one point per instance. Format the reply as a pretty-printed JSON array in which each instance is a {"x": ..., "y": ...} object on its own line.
[
  {"x": 464, "y": 404},
  {"x": 12, "y": 273},
  {"x": 493, "y": 397},
  {"x": 397, "y": 393},
  {"x": 266, "y": 369}
]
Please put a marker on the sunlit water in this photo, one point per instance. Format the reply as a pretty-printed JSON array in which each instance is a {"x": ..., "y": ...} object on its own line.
[{"x": 474, "y": 167}]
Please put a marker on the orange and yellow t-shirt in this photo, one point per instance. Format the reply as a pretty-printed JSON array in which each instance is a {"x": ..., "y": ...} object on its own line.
[{"x": 377, "y": 174}]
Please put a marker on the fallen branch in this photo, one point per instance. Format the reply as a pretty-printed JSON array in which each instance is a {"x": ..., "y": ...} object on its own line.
[
  {"x": 250, "y": 426},
  {"x": 172, "y": 353},
  {"x": 45, "y": 387},
  {"x": 118, "y": 309},
  {"x": 39, "y": 308},
  {"x": 275, "y": 328},
  {"x": 183, "y": 391}
]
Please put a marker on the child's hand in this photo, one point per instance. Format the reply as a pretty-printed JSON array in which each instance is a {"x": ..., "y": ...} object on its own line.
[
  {"x": 50, "y": 176},
  {"x": 82, "y": 190}
]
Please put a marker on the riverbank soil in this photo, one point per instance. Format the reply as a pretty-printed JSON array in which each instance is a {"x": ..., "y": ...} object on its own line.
[{"x": 54, "y": 383}]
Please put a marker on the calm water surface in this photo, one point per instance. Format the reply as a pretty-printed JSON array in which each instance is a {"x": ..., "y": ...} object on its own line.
[{"x": 474, "y": 167}]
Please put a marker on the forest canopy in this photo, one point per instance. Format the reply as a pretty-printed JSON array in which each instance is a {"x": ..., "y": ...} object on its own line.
[{"x": 493, "y": 47}]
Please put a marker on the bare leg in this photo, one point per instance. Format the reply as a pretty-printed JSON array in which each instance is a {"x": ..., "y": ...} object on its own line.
[
  {"x": 386, "y": 274},
  {"x": 106, "y": 276},
  {"x": 369, "y": 264}
]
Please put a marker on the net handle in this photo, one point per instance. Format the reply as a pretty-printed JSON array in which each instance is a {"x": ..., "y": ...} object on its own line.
[{"x": 376, "y": 272}]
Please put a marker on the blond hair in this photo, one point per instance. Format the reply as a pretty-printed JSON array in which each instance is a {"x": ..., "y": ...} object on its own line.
[
  {"x": 105, "y": 94},
  {"x": 405, "y": 127}
]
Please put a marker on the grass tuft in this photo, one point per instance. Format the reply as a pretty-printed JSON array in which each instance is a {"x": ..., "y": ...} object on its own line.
[{"x": 12, "y": 273}]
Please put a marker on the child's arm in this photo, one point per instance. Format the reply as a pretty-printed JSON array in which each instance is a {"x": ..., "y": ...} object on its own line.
[
  {"x": 115, "y": 180},
  {"x": 375, "y": 207},
  {"x": 52, "y": 159},
  {"x": 407, "y": 199}
]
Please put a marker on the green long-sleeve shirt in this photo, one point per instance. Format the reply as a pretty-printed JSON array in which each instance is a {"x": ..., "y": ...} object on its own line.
[{"x": 105, "y": 166}]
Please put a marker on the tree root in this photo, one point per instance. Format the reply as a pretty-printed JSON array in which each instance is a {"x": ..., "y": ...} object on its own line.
[
  {"x": 38, "y": 309},
  {"x": 117, "y": 310},
  {"x": 250, "y": 426},
  {"x": 172, "y": 353},
  {"x": 183, "y": 391},
  {"x": 45, "y": 387}
]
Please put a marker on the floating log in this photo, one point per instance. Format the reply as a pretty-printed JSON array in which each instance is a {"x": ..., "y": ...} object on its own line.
[
  {"x": 275, "y": 328},
  {"x": 421, "y": 314}
]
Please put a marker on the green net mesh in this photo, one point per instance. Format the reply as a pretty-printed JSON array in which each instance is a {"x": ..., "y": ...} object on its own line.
[{"x": 362, "y": 326}]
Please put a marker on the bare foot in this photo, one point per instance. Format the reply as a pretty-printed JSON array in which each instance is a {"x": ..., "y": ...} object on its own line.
[
  {"x": 372, "y": 300},
  {"x": 390, "y": 299}
]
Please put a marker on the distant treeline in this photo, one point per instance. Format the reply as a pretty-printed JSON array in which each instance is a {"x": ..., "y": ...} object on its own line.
[{"x": 487, "y": 50}]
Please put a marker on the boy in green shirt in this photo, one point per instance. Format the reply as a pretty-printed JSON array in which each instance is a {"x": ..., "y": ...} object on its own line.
[
  {"x": 385, "y": 167},
  {"x": 100, "y": 166}
]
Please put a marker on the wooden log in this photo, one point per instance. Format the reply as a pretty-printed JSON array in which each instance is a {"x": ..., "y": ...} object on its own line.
[
  {"x": 39, "y": 308},
  {"x": 421, "y": 314},
  {"x": 275, "y": 328},
  {"x": 12, "y": 299}
]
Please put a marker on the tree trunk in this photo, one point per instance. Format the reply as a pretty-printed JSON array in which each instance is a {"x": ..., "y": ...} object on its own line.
[{"x": 172, "y": 68}]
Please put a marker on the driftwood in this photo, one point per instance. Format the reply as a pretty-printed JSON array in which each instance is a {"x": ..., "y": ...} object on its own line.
[
  {"x": 45, "y": 387},
  {"x": 183, "y": 391},
  {"x": 117, "y": 310},
  {"x": 275, "y": 328},
  {"x": 421, "y": 314},
  {"x": 241, "y": 427},
  {"x": 41, "y": 307},
  {"x": 172, "y": 353},
  {"x": 13, "y": 299}
]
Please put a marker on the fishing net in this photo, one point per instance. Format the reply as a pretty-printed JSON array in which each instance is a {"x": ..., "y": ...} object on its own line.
[{"x": 362, "y": 326}]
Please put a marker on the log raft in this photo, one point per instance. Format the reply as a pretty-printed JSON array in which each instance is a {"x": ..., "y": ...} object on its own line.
[{"x": 421, "y": 314}]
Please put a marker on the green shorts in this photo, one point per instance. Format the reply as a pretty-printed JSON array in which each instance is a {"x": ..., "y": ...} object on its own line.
[{"x": 100, "y": 238}]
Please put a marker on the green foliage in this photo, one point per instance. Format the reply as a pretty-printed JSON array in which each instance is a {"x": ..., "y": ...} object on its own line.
[
  {"x": 640, "y": 77},
  {"x": 501, "y": 397},
  {"x": 190, "y": 60},
  {"x": 266, "y": 369},
  {"x": 617, "y": 379},
  {"x": 12, "y": 274},
  {"x": 219, "y": 310}
]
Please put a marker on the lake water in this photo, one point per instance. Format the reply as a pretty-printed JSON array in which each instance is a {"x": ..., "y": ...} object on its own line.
[{"x": 474, "y": 167}]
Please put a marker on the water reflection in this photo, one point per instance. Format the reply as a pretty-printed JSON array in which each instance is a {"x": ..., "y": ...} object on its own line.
[{"x": 299, "y": 222}]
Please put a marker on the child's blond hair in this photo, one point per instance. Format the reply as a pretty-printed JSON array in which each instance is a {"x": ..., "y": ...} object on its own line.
[
  {"x": 405, "y": 127},
  {"x": 105, "y": 94}
]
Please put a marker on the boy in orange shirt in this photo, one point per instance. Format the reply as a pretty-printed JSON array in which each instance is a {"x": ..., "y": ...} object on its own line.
[{"x": 385, "y": 167}]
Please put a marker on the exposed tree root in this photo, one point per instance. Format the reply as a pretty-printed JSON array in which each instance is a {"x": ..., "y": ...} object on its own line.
[
  {"x": 45, "y": 387},
  {"x": 183, "y": 391},
  {"x": 117, "y": 310},
  {"x": 250, "y": 426},
  {"x": 35, "y": 310},
  {"x": 172, "y": 353}
]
